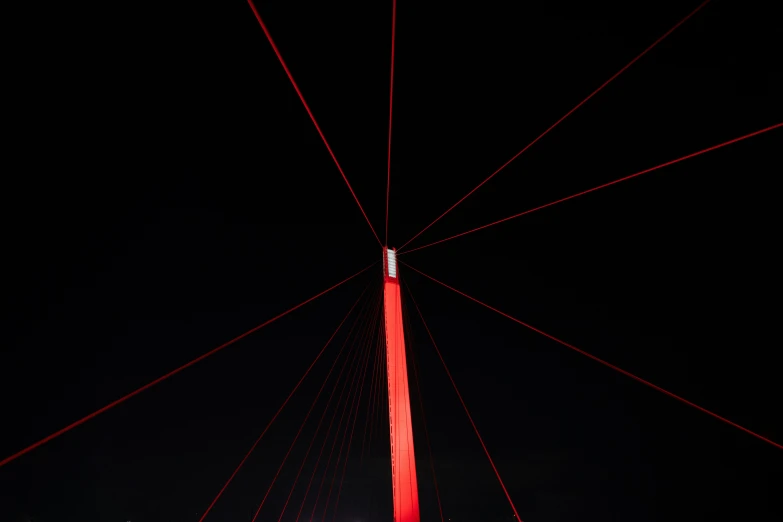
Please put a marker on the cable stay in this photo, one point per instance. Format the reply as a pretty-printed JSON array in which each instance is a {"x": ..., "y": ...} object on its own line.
[
  {"x": 378, "y": 398},
  {"x": 373, "y": 407},
  {"x": 171, "y": 373},
  {"x": 464, "y": 406},
  {"x": 391, "y": 90},
  {"x": 566, "y": 115},
  {"x": 370, "y": 396},
  {"x": 348, "y": 385},
  {"x": 304, "y": 421},
  {"x": 356, "y": 412},
  {"x": 353, "y": 411},
  {"x": 596, "y": 359},
  {"x": 341, "y": 434},
  {"x": 415, "y": 365},
  {"x": 350, "y": 389},
  {"x": 588, "y": 191},
  {"x": 323, "y": 416},
  {"x": 379, "y": 422},
  {"x": 312, "y": 116},
  {"x": 296, "y": 387}
]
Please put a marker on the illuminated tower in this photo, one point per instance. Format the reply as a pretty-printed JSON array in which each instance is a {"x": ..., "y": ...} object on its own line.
[{"x": 404, "y": 487}]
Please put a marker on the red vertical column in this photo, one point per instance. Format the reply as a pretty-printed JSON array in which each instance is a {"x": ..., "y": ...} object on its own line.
[{"x": 405, "y": 490}]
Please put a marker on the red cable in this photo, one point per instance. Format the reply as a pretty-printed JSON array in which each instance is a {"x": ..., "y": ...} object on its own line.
[
  {"x": 352, "y": 412},
  {"x": 376, "y": 392},
  {"x": 320, "y": 422},
  {"x": 383, "y": 391},
  {"x": 381, "y": 382},
  {"x": 376, "y": 405},
  {"x": 355, "y": 417},
  {"x": 323, "y": 415},
  {"x": 166, "y": 376},
  {"x": 375, "y": 398},
  {"x": 668, "y": 163},
  {"x": 408, "y": 402},
  {"x": 370, "y": 396},
  {"x": 454, "y": 384},
  {"x": 242, "y": 462},
  {"x": 309, "y": 112},
  {"x": 323, "y": 446},
  {"x": 423, "y": 419},
  {"x": 391, "y": 89},
  {"x": 346, "y": 408},
  {"x": 312, "y": 406},
  {"x": 613, "y": 367},
  {"x": 331, "y": 451},
  {"x": 566, "y": 115},
  {"x": 328, "y": 431},
  {"x": 310, "y": 447},
  {"x": 382, "y": 416}
]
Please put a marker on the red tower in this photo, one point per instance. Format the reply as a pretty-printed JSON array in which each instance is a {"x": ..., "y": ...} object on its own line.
[{"x": 404, "y": 486}]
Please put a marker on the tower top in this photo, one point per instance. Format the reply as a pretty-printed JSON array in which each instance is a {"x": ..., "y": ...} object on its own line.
[{"x": 389, "y": 263}]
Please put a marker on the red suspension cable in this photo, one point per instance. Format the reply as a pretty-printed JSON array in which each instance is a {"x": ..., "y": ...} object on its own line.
[
  {"x": 391, "y": 90},
  {"x": 307, "y": 416},
  {"x": 355, "y": 416},
  {"x": 354, "y": 365},
  {"x": 381, "y": 383},
  {"x": 370, "y": 397},
  {"x": 421, "y": 408},
  {"x": 253, "y": 447},
  {"x": 353, "y": 412},
  {"x": 566, "y": 115},
  {"x": 626, "y": 178},
  {"x": 376, "y": 398},
  {"x": 169, "y": 374},
  {"x": 608, "y": 365},
  {"x": 376, "y": 407},
  {"x": 310, "y": 113},
  {"x": 465, "y": 407},
  {"x": 323, "y": 415},
  {"x": 349, "y": 388},
  {"x": 382, "y": 416},
  {"x": 348, "y": 402}
]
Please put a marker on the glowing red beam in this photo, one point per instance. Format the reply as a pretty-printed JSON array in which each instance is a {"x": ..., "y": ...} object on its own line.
[
  {"x": 391, "y": 90},
  {"x": 166, "y": 376},
  {"x": 465, "y": 407},
  {"x": 608, "y": 365},
  {"x": 637, "y": 174},
  {"x": 310, "y": 113},
  {"x": 566, "y": 115},
  {"x": 405, "y": 491}
]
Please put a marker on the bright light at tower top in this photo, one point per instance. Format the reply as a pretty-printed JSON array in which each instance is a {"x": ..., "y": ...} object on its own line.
[{"x": 390, "y": 263}]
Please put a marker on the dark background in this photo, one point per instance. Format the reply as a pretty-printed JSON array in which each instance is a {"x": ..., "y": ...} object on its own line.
[{"x": 164, "y": 191}]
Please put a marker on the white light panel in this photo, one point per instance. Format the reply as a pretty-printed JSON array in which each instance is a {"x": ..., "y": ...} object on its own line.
[{"x": 391, "y": 259}]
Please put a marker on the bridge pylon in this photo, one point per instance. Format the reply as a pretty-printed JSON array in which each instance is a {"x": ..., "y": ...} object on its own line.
[{"x": 403, "y": 459}]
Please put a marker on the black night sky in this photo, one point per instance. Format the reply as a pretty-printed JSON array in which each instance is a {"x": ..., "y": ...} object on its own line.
[{"x": 164, "y": 191}]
